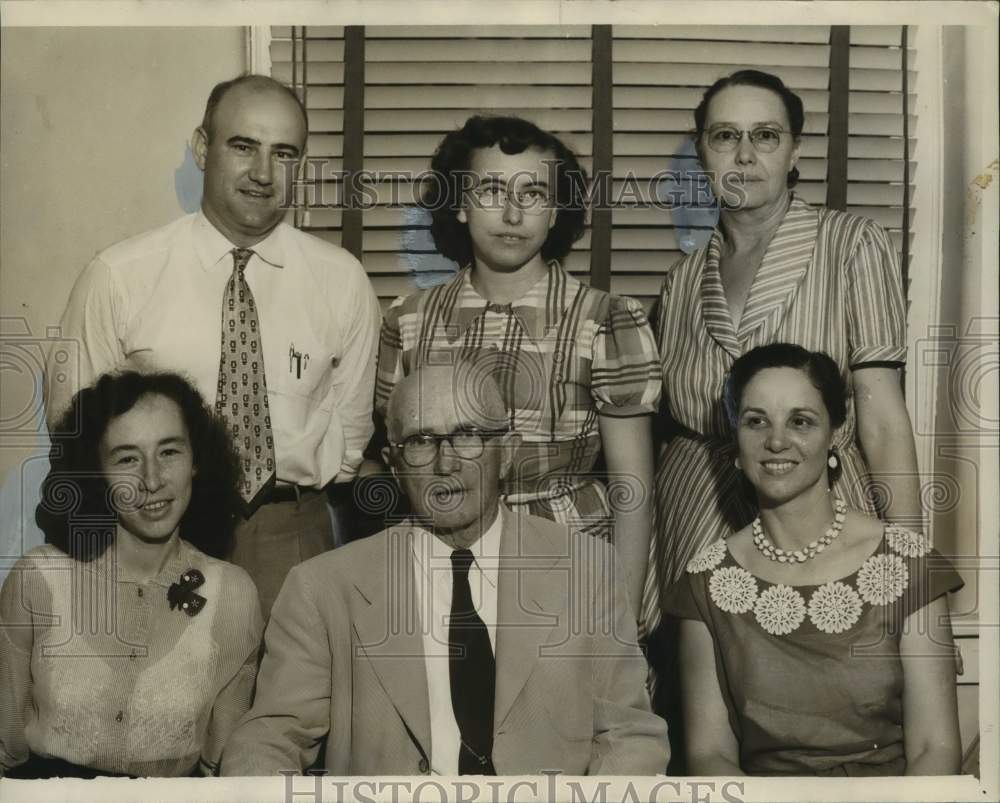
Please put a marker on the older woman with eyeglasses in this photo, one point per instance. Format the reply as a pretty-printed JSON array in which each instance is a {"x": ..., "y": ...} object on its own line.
[{"x": 775, "y": 269}]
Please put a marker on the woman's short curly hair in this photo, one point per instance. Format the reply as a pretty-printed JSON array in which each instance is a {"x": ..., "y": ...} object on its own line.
[
  {"x": 444, "y": 189},
  {"x": 76, "y": 511},
  {"x": 762, "y": 80},
  {"x": 822, "y": 371}
]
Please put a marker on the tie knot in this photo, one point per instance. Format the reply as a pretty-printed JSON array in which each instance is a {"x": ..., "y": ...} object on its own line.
[
  {"x": 461, "y": 560},
  {"x": 241, "y": 256}
]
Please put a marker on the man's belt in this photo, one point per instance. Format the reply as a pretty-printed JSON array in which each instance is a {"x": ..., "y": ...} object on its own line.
[{"x": 289, "y": 493}]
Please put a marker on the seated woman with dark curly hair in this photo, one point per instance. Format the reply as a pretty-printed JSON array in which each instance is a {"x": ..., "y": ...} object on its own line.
[
  {"x": 816, "y": 640},
  {"x": 126, "y": 646}
]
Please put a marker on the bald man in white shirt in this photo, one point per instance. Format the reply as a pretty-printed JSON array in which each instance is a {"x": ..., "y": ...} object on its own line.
[
  {"x": 157, "y": 301},
  {"x": 465, "y": 640}
]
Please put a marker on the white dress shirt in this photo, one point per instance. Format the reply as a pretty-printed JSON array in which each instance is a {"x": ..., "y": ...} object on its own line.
[
  {"x": 433, "y": 581},
  {"x": 154, "y": 301}
]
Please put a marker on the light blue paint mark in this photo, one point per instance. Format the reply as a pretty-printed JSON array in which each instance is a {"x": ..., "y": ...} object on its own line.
[
  {"x": 686, "y": 190},
  {"x": 419, "y": 254},
  {"x": 188, "y": 183}
]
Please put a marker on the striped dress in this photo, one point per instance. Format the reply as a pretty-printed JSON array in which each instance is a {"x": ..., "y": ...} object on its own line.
[
  {"x": 829, "y": 281},
  {"x": 563, "y": 355}
]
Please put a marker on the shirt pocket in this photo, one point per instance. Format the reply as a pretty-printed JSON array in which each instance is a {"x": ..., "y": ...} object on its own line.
[{"x": 300, "y": 362}]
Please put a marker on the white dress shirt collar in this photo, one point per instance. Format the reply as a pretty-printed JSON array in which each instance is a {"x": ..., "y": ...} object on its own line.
[{"x": 213, "y": 247}]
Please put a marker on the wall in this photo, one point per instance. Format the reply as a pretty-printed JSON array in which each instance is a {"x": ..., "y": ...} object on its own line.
[
  {"x": 94, "y": 123},
  {"x": 966, "y": 340},
  {"x": 964, "y": 350}
]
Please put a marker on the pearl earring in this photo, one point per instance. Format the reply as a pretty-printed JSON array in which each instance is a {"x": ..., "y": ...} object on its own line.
[
  {"x": 736, "y": 464},
  {"x": 831, "y": 461}
]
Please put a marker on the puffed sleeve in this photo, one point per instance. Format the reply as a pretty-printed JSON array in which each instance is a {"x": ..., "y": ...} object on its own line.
[
  {"x": 19, "y": 601},
  {"x": 389, "y": 368},
  {"x": 876, "y": 308},
  {"x": 625, "y": 374},
  {"x": 239, "y": 638}
]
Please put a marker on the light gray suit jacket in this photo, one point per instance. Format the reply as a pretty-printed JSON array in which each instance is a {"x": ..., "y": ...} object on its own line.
[{"x": 344, "y": 659}]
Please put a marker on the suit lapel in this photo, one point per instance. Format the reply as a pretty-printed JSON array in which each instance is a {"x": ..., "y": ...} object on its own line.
[
  {"x": 785, "y": 264},
  {"x": 530, "y": 603},
  {"x": 388, "y": 626}
]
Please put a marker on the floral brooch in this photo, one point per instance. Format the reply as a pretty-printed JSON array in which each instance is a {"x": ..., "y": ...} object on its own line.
[{"x": 181, "y": 595}]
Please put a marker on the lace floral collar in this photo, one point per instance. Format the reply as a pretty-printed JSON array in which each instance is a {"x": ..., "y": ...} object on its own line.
[{"x": 832, "y": 607}]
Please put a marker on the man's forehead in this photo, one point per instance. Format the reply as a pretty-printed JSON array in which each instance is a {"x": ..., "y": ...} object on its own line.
[
  {"x": 436, "y": 401},
  {"x": 244, "y": 105},
  {"x": 430, "y": 410}
]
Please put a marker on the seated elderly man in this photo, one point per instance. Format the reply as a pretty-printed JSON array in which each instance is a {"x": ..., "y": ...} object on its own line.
[{"x": 466, "y": 640}]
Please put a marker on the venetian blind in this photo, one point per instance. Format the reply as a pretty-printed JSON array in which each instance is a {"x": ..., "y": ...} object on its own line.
[
  {"x": 660, "y": 74},
  {"x": 314, "y": 65},
  {"x": 875, "y": 146},
  {"x": 420, "y": 82}
]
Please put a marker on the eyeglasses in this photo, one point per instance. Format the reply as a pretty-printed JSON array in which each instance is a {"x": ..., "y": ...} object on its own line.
[
  {"x": 422, "y": 449},
  {"x": 725, "y": 138},
  {"x": 531, "y": 202}
]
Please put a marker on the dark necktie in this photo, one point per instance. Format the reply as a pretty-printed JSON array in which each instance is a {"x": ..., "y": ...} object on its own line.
[
  {"x": 472, "y": 671},
  {"x": 241, "y": 398}
]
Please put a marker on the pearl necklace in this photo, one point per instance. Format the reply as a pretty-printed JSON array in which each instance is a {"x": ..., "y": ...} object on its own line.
[{"x": 771, "y": 552}]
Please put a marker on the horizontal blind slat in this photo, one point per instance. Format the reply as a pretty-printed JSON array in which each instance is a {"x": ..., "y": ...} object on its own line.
[
  {"x": 473, "y": 72},
  {"x": 881, "y": 58},
  {"x": 319, "y": 51},
  {"x": 313, "y": 31},
  {"x": 882, "y": 35},
  {"x": 886, "y": 125},
  {"x": 376, "y": 32},
  {"x": 478, "y": 97},
  {"x": 655, "y": 262},
  {"x": 510, "y": 50},
  {"x": 705, "y": 74},
  {"x": 443, "y": 120},
  {"x": 324, "y": 72},
  {"x": 814, "y": 34},
  {"x": 685, "y": 52},
  {"x": 627, "y": 97}
]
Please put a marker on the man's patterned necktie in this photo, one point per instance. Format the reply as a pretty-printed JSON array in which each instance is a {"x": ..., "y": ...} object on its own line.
[{"x": 242, "y": 392}]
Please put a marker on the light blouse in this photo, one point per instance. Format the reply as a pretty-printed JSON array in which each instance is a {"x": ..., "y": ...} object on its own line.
[{"x": 97, "y": 670}]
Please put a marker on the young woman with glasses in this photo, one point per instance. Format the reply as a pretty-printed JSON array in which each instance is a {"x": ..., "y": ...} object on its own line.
[{"x": 577, "y": 367}]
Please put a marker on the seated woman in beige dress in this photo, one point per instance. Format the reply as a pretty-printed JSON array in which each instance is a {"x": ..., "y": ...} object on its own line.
[
  {"x": 126, "y": 646},
  {"x": 814, "y": 641}
]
